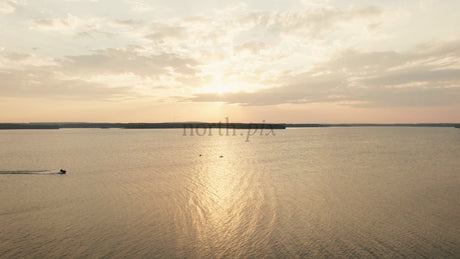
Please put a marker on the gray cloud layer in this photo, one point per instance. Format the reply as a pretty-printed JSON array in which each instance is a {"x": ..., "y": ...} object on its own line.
[
  {"x": 70, "y": 77},
  {"x": 116, "y": 61},
  {"x": 43, "y": 84}
]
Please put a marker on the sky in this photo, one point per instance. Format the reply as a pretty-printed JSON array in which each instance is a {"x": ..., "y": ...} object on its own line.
[{"x": 282, "y": 61}]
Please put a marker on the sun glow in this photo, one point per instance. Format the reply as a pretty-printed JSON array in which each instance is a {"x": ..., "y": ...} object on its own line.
[{"x": 218, "y": 87}]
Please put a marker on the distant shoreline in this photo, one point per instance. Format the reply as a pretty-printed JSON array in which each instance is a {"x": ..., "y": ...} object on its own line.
[{"x": 181, "y": 125}]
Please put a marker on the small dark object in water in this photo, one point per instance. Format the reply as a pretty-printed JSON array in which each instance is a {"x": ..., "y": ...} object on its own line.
[
  {"x": 221, "y": 156},
  {"x": 200, "y": 155},
  {"x": 62, "y": 171}
]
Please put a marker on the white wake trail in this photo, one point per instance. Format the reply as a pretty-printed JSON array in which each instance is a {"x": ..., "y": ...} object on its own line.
[{"x": 31, "y": 172}]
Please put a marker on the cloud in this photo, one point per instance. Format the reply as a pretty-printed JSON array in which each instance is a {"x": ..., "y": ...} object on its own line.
[
  {"x": 252, "y": 47},
  {"x": 409, "y": 97},
  {"x": 7, "y": 7},
  {"x": 45, "y": 84},
  {"x": 312, "y": 89},
  {"x": 127, "y": 22},
  {"x": 15, "y": 61},
  {"x": 128, "y": 60},
  {"x": 72, "y": 25},
  {"x": 235, "y": 26},
  {"x": 104, "y": 74},
  {"x": 415, "y": 78},
  {"x": 60, "y": 24},
  {"x": 161, "y": 32},
  {"x": 237, "y": 45},
  {"x": 138, "y": 5},
  {"x": 263, "y": 57},
  {"x": 45, "y": 22},
  {"x": 313, "y": 21},
  {"x": 31, "y": 76}
]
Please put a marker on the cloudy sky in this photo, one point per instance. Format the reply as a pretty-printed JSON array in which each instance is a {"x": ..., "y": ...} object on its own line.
[{"x": 314, "y": 61}]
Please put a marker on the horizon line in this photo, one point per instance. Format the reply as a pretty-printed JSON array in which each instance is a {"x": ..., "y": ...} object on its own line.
[{"x": 207, "y": 122}]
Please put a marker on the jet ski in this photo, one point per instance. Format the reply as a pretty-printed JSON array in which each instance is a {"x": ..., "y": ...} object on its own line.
[{"x": 62, "y": 171}]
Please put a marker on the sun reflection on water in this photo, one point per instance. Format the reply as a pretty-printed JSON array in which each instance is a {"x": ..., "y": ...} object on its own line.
[{"x": 230, "y": 200}]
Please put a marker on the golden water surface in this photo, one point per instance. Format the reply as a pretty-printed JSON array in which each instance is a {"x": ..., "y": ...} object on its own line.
[{"x": 313, "y": 192}]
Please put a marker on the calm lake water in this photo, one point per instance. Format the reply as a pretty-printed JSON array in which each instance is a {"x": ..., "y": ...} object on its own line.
[{"x": 312, "y": 192}]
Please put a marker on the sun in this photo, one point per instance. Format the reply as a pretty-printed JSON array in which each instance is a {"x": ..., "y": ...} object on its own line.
[
  {"x": 220, "y": 89},
  {"x": 217, "y": 87}
]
